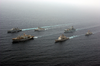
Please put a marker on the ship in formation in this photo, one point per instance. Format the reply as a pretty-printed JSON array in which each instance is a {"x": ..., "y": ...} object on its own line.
[
  {"x": 39, "y": 29},
  {"x": 22, "y": 38},
  {"x": 28, "y": 37},
  {"x": 14, "y": 30},
  {"x": 69, "y": 30},
  {"x": 88, "y": 33},
  {"x": 61, "y": 38}
]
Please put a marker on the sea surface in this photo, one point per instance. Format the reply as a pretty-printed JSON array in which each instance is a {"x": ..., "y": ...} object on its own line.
[{"x": 79, "y": 50}]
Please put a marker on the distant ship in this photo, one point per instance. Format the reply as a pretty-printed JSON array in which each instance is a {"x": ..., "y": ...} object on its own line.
[
  {"x": 22, "y": 38},
  {"x": 69, "y": 30},
  {"x": 88, "y": 33},
  {"x": 61, "y": 38},
  {"x": 39, "y": 29},
  {"x": 14, "y": 30}
]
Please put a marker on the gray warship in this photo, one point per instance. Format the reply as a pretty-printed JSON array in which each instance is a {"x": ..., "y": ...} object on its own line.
[
  {"x": 14, "y": 30},
  {"x": 69, "y": 30},
  {"x": 22, "y": 38},
  {"x": 61, "y": 38},
  {"x": 39, "y": 29},
  {"x": 88, "y": 33}
]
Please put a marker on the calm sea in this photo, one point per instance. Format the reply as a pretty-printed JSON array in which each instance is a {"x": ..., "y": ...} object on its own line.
[{"x": 80, "y": 50}]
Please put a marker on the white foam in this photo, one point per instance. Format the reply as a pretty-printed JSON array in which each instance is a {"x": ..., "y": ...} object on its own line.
[
  {"x": 75, "y": 36},
  {"x": 87, "y": 27},
  {"x": 35, "y": 37},
  {"x": 47, "y": 27}
]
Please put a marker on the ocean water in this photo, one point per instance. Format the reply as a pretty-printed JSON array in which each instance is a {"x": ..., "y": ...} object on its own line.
[{"x": 79, "y": 50}]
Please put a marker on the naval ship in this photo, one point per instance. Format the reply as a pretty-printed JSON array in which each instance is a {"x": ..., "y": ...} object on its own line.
[
  {"x": 14, "y": 30},
  {"x": 69, "y": 30},
  {"x": 22, "y": 38},
  {"x": 61, "y": 38},
  {"x": 39, "y": 29},
  {"x": 88, "y": 33}
]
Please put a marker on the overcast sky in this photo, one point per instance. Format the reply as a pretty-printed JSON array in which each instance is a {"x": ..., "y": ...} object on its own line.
[{"x": 95, "y": 3}]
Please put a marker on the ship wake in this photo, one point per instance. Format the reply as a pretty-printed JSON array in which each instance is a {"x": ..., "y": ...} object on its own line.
[{"x": 47, "y": 27}]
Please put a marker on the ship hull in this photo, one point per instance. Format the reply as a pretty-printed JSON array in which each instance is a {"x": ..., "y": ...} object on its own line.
[
  {"x": 70, "y": 31},
  {"x": 61, "y": 40},
  {"x": 14, "y": 31},
  {"x": 39, "y": 30},
  {"x": 21, "y": 40},
  {"x": 88, "y": 34}
]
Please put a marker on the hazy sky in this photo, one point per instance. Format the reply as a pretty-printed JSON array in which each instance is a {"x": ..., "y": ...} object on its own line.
[
  {"x": 75, "y": 2},
  {"x": 93, "y": 3},
  {"x": 50, "y": 10}
]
